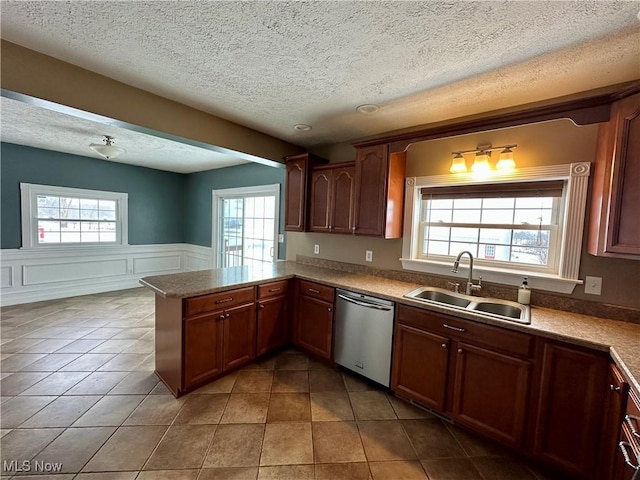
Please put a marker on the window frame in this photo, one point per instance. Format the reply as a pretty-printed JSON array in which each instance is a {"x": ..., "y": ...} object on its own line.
[
  {"x": 564, "y": 280},
  {"x": 29, "y": 214}
]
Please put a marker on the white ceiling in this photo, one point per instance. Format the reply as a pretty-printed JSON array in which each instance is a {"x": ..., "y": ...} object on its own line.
[{"x": 270, "y": 64}]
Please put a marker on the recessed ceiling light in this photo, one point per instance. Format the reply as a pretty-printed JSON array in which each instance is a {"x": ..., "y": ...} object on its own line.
[
  {"x": 367, "y": 108},
  {"x": 302, "y": 127}
]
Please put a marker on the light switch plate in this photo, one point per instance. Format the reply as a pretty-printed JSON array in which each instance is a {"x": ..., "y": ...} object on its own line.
[
  {"x": 593, "y": 285},
  {"x": 281, "y": 238},
  {"x": 368, "y": 256},
  {"x": 316, "y": 249}
]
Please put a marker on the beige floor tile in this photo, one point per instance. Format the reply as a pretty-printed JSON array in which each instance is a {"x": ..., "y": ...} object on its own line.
[
  {"x": 17, "y": 410},
  {"x": 287, "y": 444},
  {"x": 267, "y": 363},
  {"x": 62, "y": 412},
  {"x": 147, "y": 365},
  {"x": 160, "y": 389},
  {"x": 128, "y": 449},
  {"x": 290, "y": 381},
  {"x": 88, "y": 362},
  {"x": 474, "y": 445},
  {"x": 123, "y": 362},
  {"x": 107, "y": 476},
  {"x": 236, "y": 446},
  {"x": 331, "y": 407},
  {"x": 136, "y": 383},
  {"x": 202, "y": 409},
  {"x": 18, "y": 361},
  {"x": 253, "y": 381},
  {"x": 25, "y": 444},
  {"x": 113, "y": 346},
  {"x": 46, "y": 346},
  {"x": 97, "y": 383},
  {"x": 183, "y": 446},
  {"x": 19, "y": 344},
  {"x": 53, "y": 476},
  {"x": 354, "y": 384},
  {"x": 337, "y": 442},
  {"x": 431, "y": 439},
  {"x": 74, "y": 447},
  {"x": 502, "y": 468},
  {"x": 246, "y": 408},
  {"x": 102, "y": 333},
  {"x": 51, "y": 362},
  {"x": 292, "y": 361},
  {"x": 168, "y": 475},
  {"x": 56, "y": 384},
  {"x": 404, "y": 410},
  {"x": 325, "y": 380},
  {"x": 399, "y": 470},
  {"x": 229, "y": 473},
  {"x": 286, "y": 472},
  {"x": 110, "y": 411},
  {"x": 131, "y": 333},
  {"x": 450, "y": 469},
  {"x": 16, "y": 383},
  {"x": 289, "y": 407},
  {"x": 371, "y": 405},
  {"x": 385, "y": 440},
  {"x": 222, "y": 385},
  {"x": 343, "y": 471},
  {"x": 80, "y": 346},
  {"x": 155, "y": 410},
  {"x": 4, "y": 431}
]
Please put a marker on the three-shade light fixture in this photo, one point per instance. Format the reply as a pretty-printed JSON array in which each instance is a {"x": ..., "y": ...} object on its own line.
[{"x": 481, "y": 161}]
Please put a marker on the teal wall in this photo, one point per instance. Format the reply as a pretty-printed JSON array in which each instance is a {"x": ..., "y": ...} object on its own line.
[
  {"x": 198, "y": 189},
  {"x": 156, "y": 198}
]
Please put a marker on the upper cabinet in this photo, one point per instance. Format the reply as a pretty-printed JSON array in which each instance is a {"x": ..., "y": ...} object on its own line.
[
  {"x": 614, "y": 228},
  {"x": 297, "y": 187},
  {"x": 332, "y": 198},
  {"x": 379, "y": 197}
]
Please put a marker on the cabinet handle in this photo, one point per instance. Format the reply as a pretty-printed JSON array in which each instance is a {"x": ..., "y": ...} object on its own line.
[
  {"x": 227, "y": 315},
  {"x": 271, "y": 290},
  {"x": 627, "y": 459},
  {"x": 313, "y": 290},
  {"x": 260, "y": 305},
  {"x": 614, "y": 388},
  {"x": 444, "y": 345},
  {"x": 459, "y": 350},
  {"x": 330, "y": 309},
  {"x": 330, "y": 227},
  {"x": 225, "y": 300},
  {"x": 450, "y": 327},
  {"x": 221, "y": 317},
  {"x": 353, "y": 229},
  {"x": 632, "y": 421}
]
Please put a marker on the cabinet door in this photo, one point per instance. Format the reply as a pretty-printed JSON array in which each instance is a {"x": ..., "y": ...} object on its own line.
[
  {"x": 272, "y": 324},
  {"x": 342, "y": 200},
  {"x": 202, "y": 348},
  {"x": 239, "y": 336},
  {"x": 613, "y": 414},
  {"x": 371, "y": 190},
  {"x": 315, "y": 326},
  {"x": 490, "y": 393},
  {"x": 295, "y": 195},
  {"x": 320, "y": 191},
  {"x": 420, "y": 361},
  {"x": 570, "y": 408}
]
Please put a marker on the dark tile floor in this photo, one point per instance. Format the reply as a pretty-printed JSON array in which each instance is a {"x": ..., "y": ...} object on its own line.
[{"x": 78, "y": 389}]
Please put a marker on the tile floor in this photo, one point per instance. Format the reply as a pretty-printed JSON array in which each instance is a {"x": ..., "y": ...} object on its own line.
[{"x": 78, "y": 389}]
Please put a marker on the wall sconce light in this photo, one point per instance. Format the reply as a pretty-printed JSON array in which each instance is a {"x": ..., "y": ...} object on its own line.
[{"x": 481, "y": 161}]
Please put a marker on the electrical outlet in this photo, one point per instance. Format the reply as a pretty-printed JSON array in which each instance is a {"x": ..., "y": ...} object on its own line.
[
  {"x": 281, "y": 238},
  {"x": 593, "y": 285},
  {"x": 368, "y": 256},
  {"x": 316, "y": 249}
]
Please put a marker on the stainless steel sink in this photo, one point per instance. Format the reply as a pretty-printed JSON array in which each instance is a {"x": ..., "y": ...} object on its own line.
[{"x": 481, "y": 307}]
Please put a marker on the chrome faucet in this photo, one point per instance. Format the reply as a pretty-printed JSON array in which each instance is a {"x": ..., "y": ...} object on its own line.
[{"x": 470, "y": 285}]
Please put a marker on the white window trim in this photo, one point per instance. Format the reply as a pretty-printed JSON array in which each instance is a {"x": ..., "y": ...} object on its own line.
[
  {"x": 577, "y": 177},
  {"x": 29, "y": 206},
  {"x": 256, "y": 191}
]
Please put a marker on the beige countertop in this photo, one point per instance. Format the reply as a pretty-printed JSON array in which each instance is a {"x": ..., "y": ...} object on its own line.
[{"x": 622, "y": 339}]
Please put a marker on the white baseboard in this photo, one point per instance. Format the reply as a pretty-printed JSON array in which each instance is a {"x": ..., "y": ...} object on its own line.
[{"x": 32, "y": 275}]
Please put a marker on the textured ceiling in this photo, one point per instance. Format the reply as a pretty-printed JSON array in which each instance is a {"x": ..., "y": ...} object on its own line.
[{"x": 269, "y": 65}]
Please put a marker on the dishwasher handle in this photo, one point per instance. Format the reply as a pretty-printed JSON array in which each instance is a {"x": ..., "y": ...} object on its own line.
[{"x": 364, "y": 304}]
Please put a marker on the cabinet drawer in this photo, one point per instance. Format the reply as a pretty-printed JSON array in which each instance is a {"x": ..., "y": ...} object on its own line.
[
  {"x": 273, "y": 289},
  {"x": 497, "y": 338},
  {"x": 219, "y": 301},
  {"x": 315, "y": 290}
]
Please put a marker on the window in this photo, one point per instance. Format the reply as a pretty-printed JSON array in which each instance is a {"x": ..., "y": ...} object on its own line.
[
  {"x": 527, "y": 223},
  {"x": 61, "y": 216},
  {"x": 245, "y": 225}
]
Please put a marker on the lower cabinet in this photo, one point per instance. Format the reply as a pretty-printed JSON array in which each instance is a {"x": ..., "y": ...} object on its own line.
[
  {"x": 239, "y": 345},
  {"x": 314, "y": 319},
  {"x": 627, "y": 459},
  {"x": 203, "y": 356},
  {"x": 273, "y": 317},
  {"x": 616, "y": 389}
]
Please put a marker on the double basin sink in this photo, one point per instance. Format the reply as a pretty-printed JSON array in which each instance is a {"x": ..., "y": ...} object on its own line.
[{"x": 480, "y": 307}]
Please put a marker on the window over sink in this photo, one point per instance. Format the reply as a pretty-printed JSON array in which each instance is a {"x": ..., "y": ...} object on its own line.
[{"x": 524, "y": 223}]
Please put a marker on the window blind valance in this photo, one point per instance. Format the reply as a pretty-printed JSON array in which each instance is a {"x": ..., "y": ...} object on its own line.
[{"x": 551, "y": 188}]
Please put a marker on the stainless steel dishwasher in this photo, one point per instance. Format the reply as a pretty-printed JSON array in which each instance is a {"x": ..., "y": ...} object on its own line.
[{"x": 364, "y": 334}]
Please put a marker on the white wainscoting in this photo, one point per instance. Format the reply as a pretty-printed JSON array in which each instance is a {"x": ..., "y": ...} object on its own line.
[{"x": 32, "y": 275}]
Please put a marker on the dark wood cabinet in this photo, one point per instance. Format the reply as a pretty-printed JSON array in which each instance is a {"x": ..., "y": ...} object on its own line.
[
  {"x": 379, "y": 192},
  {"x": 569, "y": 415},
  {"x": 297, "y": 190},
  {"x": 627, "y": 459},
  {"x": 203, "y": 358},
  {"x": 614, "y": 229},
  {"x": 332, "y": 198},
  {"x": 273, "y": 317},
  {"x": 614, "y": 410},
  {"x": 314, "y": 319},
  {"x": 239, "y": 345}
]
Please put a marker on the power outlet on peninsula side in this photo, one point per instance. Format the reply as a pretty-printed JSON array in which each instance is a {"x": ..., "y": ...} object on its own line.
[
  {"x": 316, "y": 249},
  {"x": 593, "y": 285},
  {"x": 368, "y": 256}
]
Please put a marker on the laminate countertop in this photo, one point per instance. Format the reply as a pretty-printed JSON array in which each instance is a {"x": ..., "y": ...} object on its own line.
[{"x": 621, "y": 339}]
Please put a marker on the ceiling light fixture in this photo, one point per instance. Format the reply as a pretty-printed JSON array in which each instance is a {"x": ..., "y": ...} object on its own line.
[
  {"x": 367, "y": 108},
  {"x": 302, "y": 127},
  {"x": 107, "y": 150},
  {"x": 481, "y": 161}
]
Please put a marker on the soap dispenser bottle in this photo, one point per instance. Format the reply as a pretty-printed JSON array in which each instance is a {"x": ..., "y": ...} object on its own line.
[{"x": 524, "y": 293}]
